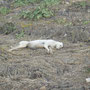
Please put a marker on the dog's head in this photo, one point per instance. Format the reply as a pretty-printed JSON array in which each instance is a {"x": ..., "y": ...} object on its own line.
[{"x": 59, "y": 45}]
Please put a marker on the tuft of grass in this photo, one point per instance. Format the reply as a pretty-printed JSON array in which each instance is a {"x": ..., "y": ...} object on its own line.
[
  {"x": 80, "y": 4},
  {"x": 87, "y": 69},
  {"x": 86, "y": 22},
  {"x": 38, "y": 13},
  {"x": 20, "y": 34},
  {"x": 42, "y": 11},
  {"x": 4, "y": 10},
  {"x": 51, "y": 2},
  {"x": 63, "y": 21},
  {"x": 60, "y": 21},
  {"x": 83, "y": 4},
  {"x": 34, "y": 1},
  {"x": 18, "y": 3}
]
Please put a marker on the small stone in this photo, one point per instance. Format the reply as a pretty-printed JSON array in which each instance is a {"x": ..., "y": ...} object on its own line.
[{"x": 43, "y": 88}]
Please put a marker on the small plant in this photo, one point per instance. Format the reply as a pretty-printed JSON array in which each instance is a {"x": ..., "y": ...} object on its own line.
[
  {"x": 51, "y": 2},
  {"x": 20, "y": 34},
  {"x": 86, "y": 22},
  {"x": 4, "y": 10},
  {"x": 87, "y": 69},
  {"x": 83, "y": 4},
  {"x": 63, "y": 21},
  {"x": 38, "y": 13},
  {"x": 18, "y": 3},
  {"x": 42, "y": 11},
  {"x": 60, "y": 21},
  {"x": 34, "y": 1}
]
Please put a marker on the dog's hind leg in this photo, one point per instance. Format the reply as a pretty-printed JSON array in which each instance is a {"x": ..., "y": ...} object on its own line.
[
  {"x": 22, "y": 44},
  {"x": 17, "y": 47}
]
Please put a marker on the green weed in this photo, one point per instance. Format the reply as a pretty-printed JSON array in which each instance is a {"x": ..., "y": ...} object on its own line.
[
  {"x": 63, "y": 21},
  {"x": 38, "y": 13},
  {"x": 20, "y": 34},
  {"x": 42, "y": 11},
  {"x": 60, "y": 21},
  {"x": 52, "y": 2},
  {"x": 83, "y": 4},
  {"x": 18, "y": 3},
  {"x": 4, "y": 10},
  {"x": 86, "y": 22},
  {"x": 34, "y": 1},
  {"x": 87, "y": 69}
]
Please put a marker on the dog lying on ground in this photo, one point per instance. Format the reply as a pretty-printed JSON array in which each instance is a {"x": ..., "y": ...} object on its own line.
[{"x": 49, "y": 45}]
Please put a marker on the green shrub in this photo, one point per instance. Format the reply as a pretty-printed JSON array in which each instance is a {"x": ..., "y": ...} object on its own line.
[
  {"x": 4, "y": 10},
  {"x": 38, "y": 13},
  {"x": 42, "y": 11}
]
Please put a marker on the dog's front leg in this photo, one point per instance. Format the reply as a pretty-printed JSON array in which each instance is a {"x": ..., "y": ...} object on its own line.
[
  {"x": 50, "y": 50},
  {"x": 46, "y": 47},
  {"x": 17, "y": 47}
]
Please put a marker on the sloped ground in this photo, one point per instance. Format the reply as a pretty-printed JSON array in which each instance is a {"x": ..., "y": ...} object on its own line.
[{"x": 28, "y": 69}]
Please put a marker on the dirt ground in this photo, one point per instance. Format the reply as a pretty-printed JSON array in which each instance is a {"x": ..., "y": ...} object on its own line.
[{"x": 66, "y": 69}]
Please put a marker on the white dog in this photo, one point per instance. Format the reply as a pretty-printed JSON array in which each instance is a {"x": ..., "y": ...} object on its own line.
[{"x": 47, "y": 44}]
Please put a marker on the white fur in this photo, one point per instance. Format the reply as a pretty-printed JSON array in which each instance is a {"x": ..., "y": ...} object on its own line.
[
  {"x": 87, "y": 79},
  {"x": 47, "y": 44}
]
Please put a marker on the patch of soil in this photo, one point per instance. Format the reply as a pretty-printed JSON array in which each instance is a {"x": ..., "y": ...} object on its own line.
[
  {"x": 7, "y": 28},
  {"x": 79, "y": 6}
]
